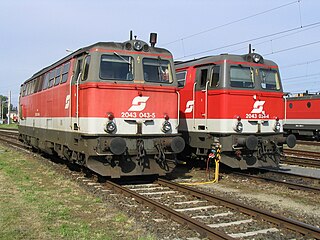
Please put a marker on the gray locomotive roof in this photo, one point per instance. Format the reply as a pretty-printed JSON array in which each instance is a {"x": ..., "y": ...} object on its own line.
[
  {"x": 217, "y": 58},
  {"x": 105, "y": 45},
  {"x": 304, "y": 96}
]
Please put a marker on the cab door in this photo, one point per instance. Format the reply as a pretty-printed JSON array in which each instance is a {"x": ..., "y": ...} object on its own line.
[
  {"x": 207, "y": 79},
  {"x": 81, "y": 74},
  {"x": 75, "y": 90},
  {"x": 202, "y": 82}
]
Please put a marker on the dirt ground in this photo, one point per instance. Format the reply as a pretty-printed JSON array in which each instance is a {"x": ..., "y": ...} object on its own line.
[{"x": 38, "y": 202}]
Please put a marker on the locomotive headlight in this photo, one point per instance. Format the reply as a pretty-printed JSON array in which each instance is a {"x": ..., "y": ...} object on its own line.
[
  {"x": 239, "y": 127},
  {"x": 110, "y": 127},
  {"x": 166, "y": 126},
  {"x": 277, "y": 126},
  {"x": 257, "y": 58},
  {"x": 137, "y": 45}
]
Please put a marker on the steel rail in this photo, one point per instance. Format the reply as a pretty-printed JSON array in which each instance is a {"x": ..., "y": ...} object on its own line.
[
  {"x": 303, "y": 228},
  {"x": 9, "y": 130},
  {"x": 314, "y": 155},
  {"x": 301, "y": 162},
  {"x": 13, "y": 143},
  {"x": 309, "y": 143},
  {"x": 288, "y": 184},
  {"x": 183, "y": 219}
]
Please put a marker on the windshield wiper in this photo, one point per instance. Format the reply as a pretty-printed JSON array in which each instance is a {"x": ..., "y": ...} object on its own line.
[{"x": 122, "y": 58}]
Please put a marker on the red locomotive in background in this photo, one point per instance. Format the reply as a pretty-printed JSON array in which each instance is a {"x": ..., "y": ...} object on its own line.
[
  {"x": 112, "y": 107},
  {"x": 302, "y": 116},
  {"x": 235, "y": 101}
]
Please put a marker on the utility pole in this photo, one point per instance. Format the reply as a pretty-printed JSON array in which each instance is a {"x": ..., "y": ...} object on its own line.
[
  {"x": 1, "y": 116},
  {"x": 9, "y": 104}
]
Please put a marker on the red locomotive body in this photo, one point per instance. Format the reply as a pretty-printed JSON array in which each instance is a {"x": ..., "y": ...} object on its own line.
[
  {"x": 236, "y": 102},
  {"x": 302, "y": 116},
  {"x": 112, "y": 107}
]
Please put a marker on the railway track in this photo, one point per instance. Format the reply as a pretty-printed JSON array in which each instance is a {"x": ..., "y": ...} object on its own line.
[
  {"x": 212, "y": 216},
  {"x": 309, "y": 143},
  {"x": 10, "y": 136},
  {"x": 283, "y": 181},
  {"x": 301, "y": 158}
]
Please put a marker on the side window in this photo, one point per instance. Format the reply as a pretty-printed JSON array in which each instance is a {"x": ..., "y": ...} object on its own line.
[
  {"x": 181, "y": 78},
  {"x": 27, "y": 89},
  {"x": 86, "y": 68},
  {"x": 65, "y": 72},
  {"x": 40, "y": 83},
  {"x": 57, "y": 79},
  {"x": 46, "y": 81},
  {"x": 202, "y": 76},
  {"x": 215, "y": 76},
  {"x": 24, "y": 89},
  {"x": 30, "y": 87},
  {"x": 51, "y": 78},
  {"x": 36, "y": 85},
  {"x": 78, "y": 69}
]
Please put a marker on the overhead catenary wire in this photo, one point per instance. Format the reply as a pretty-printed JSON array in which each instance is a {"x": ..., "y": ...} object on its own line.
[
  {"x": 301, "y": 76},
  {"x": 232, "y": 22},
  {"x": 306, "y": 28},
  {"x": 292, "y": 48},
  {"x": 301, "y": 63},
  {"x": 251, "y": 40}
]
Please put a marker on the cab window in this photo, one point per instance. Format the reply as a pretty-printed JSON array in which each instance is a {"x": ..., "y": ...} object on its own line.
[
  {"x": 215, "y": 76},
  {"x": 116, "y": 67},
  {"x": 241, "y": 77},
  {"x": 181, "y": 78},
  {"x": 269, "y": 79},
  {"x": 86, "y": 68},
  {"x": 157, "y": 70}
]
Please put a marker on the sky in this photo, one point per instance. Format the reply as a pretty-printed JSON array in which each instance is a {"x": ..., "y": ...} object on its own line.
[{"x": 36, "y": 33}]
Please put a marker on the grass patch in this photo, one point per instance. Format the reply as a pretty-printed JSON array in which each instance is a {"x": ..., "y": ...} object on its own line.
[
  {"x": 11, "y": 125},
  {"x": 38, "y": 203}
]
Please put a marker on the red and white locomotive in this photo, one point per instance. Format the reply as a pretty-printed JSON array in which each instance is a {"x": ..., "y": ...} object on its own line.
[
  {"x": 112, "y": 107},
  {"x": 302, "y": 116},
  {"x": 235, "y": 101}
]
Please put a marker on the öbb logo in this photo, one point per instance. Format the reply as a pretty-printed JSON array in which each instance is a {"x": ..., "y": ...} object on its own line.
[
  {"x": 189, "y": 106},
  {"x": 258, "y": 107},
  {"x": 139, "y": 104}
]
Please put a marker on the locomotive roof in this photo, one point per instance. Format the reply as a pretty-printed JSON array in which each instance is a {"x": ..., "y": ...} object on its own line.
[
  {"x": 304, "y": 96},
  {"x": 106, "y": 45},
  {"x": 217, "y": 58}
]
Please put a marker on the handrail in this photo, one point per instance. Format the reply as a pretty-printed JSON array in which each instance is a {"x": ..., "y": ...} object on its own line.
[{"x": 194, "y": 105}]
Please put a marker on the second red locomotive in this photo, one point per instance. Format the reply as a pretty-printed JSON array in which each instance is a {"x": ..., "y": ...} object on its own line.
[{"x": 235, "y": 101}]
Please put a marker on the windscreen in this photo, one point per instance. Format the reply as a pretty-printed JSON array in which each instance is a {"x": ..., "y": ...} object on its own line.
[
  {"x": 116, "y": 67},
  {"x": 241, "y": 77},
  {"x": 269, "y": 79},
  {"x": 157, "y": 70}
]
